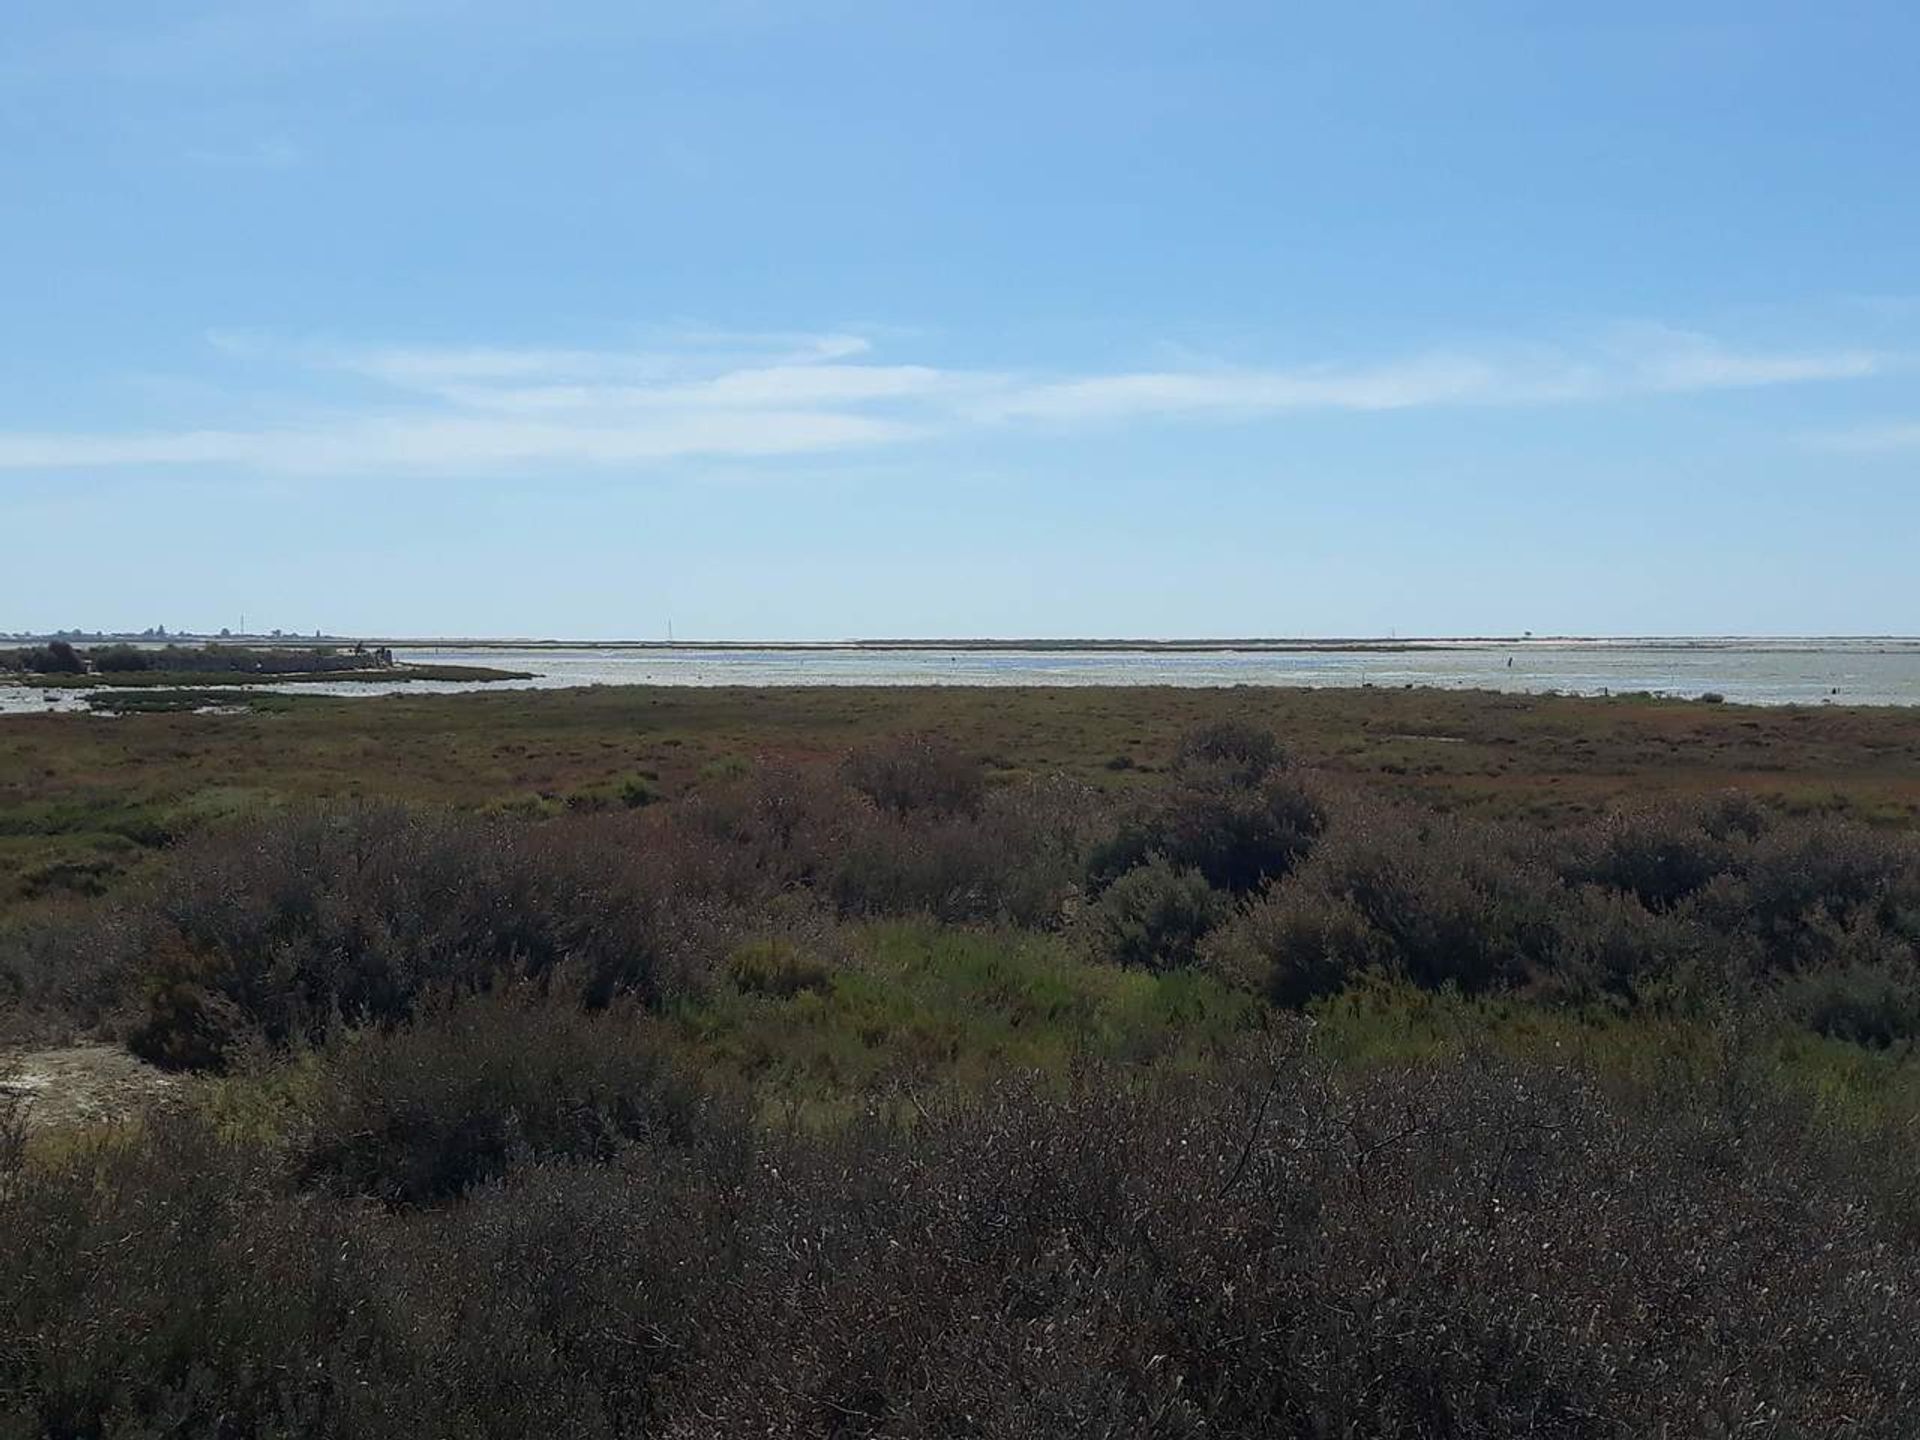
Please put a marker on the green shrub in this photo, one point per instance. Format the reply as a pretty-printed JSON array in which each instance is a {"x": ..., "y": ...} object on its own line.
[
  {"x": 1453, "y": 903},
  {"x": 1017, "y": 859},
  {"x": 724, "y": 768},
  {"x": 1877, "y": 1006},
  {"x": 57, "y": 657},
  {"x": 777, "y": 968},
  {"x": 636, "y": 791},
  {"x": 1607, "y": 948},
  {"x": 1154, "y": 916},
  {"x": 1295, "y": 944},
  {"x": 1805, "y": 884}
]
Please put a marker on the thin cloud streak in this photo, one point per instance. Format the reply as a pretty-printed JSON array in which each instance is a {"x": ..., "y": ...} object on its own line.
[
  {"x": 1889, "y": 439},
  {"x": 485, "y": 410},
  {"x": 272, "y": 153}
]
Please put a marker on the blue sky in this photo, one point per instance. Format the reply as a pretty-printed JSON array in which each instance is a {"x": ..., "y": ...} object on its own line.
[{"x": 821, "y": 319}]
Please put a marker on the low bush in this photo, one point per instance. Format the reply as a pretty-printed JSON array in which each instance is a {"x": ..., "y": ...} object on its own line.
[
  {"x": 914, "y": 773},
  {"x": 57, "y": 657},
  {"x": 289, "y": 925},
  {"x": 1295, "y": 945},
  {"x": 1805, "y": 883},
  {"x": 1154, "y": 917},
  {"x": 1239, "y": 836},
  {"x": 1873, "y": 1005},
  {"x": 1608, "y": 948},
  {"x": 1230, "y": 752},
  {"x": 1661, "y": 857},
  {"x": 1018, "y": 859},
  {"x": 1454, "y": 903},
  {"x": 422, "y": 1112},
  {"x": 120, "y": 659}
]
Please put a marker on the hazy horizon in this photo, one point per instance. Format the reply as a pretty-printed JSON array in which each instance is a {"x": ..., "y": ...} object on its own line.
[
  {"x": 465, "y": 638},
  {"x": 835, "y": 318}
]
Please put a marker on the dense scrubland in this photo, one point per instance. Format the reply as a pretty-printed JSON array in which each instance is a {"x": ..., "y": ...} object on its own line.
[{"x": 947, "y": 1063}]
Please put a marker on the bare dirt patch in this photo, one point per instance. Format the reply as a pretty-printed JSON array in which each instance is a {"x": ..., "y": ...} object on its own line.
[{"x": 81, "y": 1085}]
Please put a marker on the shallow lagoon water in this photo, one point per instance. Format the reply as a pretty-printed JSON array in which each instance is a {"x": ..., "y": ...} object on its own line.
[{"x": 1758, "y": 672}]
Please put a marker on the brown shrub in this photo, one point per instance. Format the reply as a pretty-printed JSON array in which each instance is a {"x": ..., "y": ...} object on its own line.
[
  {"x": 1266, "y": 1249},
  {"x": 287, "y": 925},
  {"x": 423, "y": 1112},
  {"x": 910, "y": 774}
]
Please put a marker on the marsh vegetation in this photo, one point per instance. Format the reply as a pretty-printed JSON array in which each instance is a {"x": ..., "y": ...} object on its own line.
[{"x": 654, "y": 1064}]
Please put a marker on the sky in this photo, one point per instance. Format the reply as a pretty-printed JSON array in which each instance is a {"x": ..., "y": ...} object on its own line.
[{"x": 831, "y": 318}]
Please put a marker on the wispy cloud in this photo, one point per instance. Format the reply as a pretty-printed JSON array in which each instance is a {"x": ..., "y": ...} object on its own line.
[
  {"x": 273, "y": 152},
  {"x": 700, "y": 393},
  {"x": 1890, "y": 438}
]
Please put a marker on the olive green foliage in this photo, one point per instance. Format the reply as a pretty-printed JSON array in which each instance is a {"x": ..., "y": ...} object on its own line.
[{"x": 1154, "y": 916}]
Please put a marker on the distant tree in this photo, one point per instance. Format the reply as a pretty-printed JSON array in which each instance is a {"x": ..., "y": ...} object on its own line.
[
  {"x": 58, "y": 657},
  {"x": 121, "y": 658}
]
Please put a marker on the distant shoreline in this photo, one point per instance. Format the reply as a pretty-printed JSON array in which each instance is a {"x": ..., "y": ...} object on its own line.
[
  {"x": 1248, "y": 645},
  {"x": 1277, "y": 645}
]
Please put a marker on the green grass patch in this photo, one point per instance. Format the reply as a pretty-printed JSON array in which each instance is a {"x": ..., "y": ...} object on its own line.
[
  {"x": 1385, "y": 1024},
  {"x": 918, "y": 1003}
]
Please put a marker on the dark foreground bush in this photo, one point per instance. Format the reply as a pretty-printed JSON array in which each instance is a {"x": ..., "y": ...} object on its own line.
[
  {"x": 422, "y": 1113},
  {"x": 1460, "y": 1249}
]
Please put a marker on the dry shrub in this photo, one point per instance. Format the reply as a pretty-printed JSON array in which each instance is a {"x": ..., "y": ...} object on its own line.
[
  {"x": 1017, "y": 859},
  {"x": 1264, "y": 1249},
  {"x": 421, "y": 1113},
  {"x": 916, "y": 774},
  {"x": 287, "y": 925},
  {"x": 1239, "y": 836},
  {"x": 1233, "y": 752}
]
